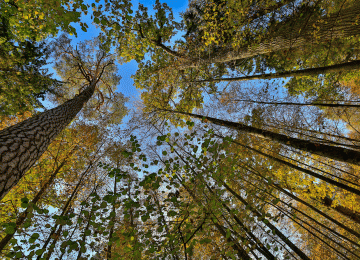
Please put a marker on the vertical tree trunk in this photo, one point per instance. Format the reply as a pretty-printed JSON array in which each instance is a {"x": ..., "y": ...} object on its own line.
[
  {"x": 353, "y": 215},
  {"x": 22, "y": 145},
  {"x": 332, "y": 152}
]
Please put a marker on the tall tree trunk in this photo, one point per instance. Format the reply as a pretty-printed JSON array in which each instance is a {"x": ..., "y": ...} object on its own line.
[
  {"x": 306, "y": 171},
  {"x": 259, "y": 245},
  {"x": 22, "y": 145},
  {"x": 241, "y": 253},
  {"x": 63, "y": 213},
  {"x": 290, "y": 195},
  {"x": 287, "y": 36},
  {"x": 348, "y": 66},
  {"x": 332, "y": 152},
  {"x": 112, "y": 221},
  {"x": 297, "y": 250},
  {"x": 353, "y": 215}
]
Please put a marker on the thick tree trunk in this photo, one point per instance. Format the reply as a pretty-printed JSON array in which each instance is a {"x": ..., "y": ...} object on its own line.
[
  {"x": 333, "y": 152},
  {"x": 348, "y": 66},
  {"x": 316, "y": 30},
  {"x": 22, "y": 145}
]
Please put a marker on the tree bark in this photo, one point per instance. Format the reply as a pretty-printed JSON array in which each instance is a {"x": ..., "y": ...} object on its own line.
[
  {"x": 348, "y": 66},
  {"x": 22, "y": 145},
  {"x": 332, "y": 152},
  {"x": 316, "y": 30}
]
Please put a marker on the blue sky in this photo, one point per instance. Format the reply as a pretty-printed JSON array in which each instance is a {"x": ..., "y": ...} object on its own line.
[{"x": 126, "y": 70}]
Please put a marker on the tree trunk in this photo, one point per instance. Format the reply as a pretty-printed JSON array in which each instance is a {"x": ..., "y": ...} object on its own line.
[
  {"x": 353, "y": 215},
  {"x": 65, "y": 210},
  {"x": 316, "y": 30},
  {"x": 268, "y": 224},
  {"x": 306, "y": 171},
  {"x": 332, "y": 152},
  {"x": 351, "y": 231},
  {"x": 348, "y": 66},
  {"x": 22, "y": 145},
  {"x": 112, "y": 226}
]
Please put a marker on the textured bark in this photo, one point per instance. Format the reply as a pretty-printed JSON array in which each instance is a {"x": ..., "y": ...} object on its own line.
[
  {"x": 333, "y": 152},
  {"x": 348, "y": 66},
  {"x": 285, "y": 36},
  {"x": 22, "y": 145}
]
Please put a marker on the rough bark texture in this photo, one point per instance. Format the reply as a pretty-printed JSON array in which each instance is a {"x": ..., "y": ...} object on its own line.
[
  {"x": 289, "y": 35},
  {"x": 22, "y": 145}
]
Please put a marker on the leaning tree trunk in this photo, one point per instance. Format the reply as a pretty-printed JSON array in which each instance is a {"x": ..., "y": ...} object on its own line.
[
  {"x": 22, "y": 145},
  {"x": 333, "y": 152},
  {"x": 287, "y": 36},
  {"x": 347, "y": 66}
]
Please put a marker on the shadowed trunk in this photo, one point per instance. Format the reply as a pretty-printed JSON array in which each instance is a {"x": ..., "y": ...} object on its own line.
[{"x": 333, "y": 152}]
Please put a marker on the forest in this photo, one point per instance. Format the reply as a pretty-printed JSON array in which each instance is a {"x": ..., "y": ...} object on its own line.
[{"x": 241, "y": 142}]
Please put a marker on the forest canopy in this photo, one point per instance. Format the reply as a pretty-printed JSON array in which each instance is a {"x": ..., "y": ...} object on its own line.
[{"x": 241, "y": 142}]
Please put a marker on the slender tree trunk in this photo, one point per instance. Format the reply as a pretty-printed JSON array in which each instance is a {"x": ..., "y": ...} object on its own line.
[
  {"x": 348, "y": 66},
  {"x": 290, "y": 195},
  {"x": 289, "y": 35},
  {"x": 64, "y": 211},
  {"x": 22, "y": 145},
  {"x": 20, "y": 220},
  {"x": 294, "y": 208},
  {"x": 295, "y": 167},
  {"x": 241, "y": 253},
  {"x": 297, "y": 250},
  {"x": 112, "y": 225},
  {"x": 82, "y": 242},
  {"x": 259, "y": 245},
  {"x": 332, "y": 152}
]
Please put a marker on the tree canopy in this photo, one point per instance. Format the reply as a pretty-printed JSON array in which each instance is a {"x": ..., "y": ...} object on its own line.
[{"x": 243, "y": 142}]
